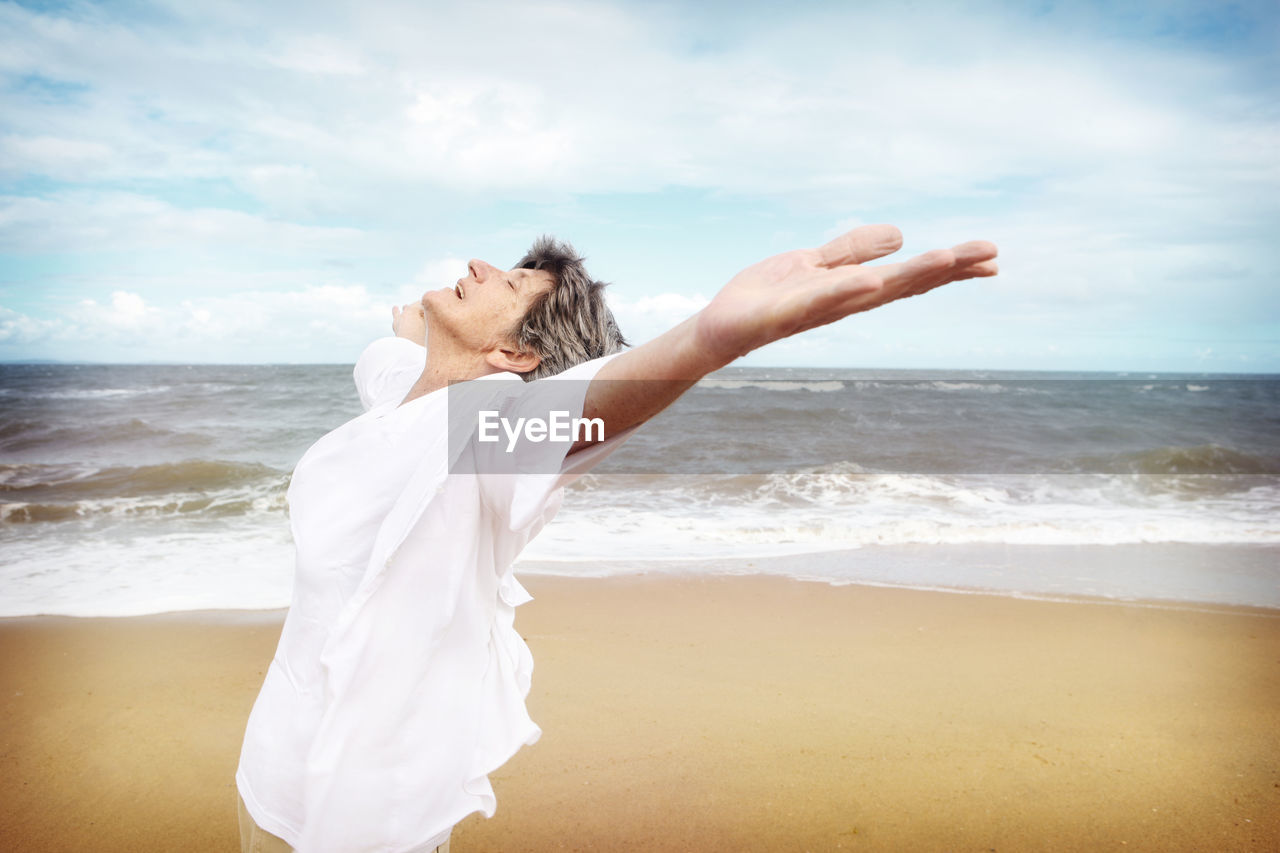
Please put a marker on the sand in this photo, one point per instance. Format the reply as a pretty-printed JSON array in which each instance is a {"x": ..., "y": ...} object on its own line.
[{"x": 714, "y": 714}]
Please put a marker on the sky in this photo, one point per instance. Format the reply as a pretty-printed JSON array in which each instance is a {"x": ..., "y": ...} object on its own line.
[{"x": 259, "y": 182}]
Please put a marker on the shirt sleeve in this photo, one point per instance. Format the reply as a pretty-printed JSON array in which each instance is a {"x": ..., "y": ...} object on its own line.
[
  {"x": 521, "y": 479},
  {"x": 387, "y": 369}
]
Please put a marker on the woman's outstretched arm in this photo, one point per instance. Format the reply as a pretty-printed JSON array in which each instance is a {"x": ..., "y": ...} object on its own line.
[{"x": 778, "y": 297}]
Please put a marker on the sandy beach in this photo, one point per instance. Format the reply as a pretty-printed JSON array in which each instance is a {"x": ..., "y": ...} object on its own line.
[{"x": 713, "y": 714}]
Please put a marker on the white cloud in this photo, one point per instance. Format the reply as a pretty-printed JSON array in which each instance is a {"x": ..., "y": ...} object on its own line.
[
  {"x": 607, "y": 99},
  {"x": 1123, "y": 179},
  {"x": 19, "y": 329},
  {"x": 88, "y": 220},
  {"x": 128, "y": 310},
  {"x": 649, "y": 316},
  {"x": 321, "y": 322},
  {"x": 318, "y": 55},
  {"x": 64, "y": 159}
]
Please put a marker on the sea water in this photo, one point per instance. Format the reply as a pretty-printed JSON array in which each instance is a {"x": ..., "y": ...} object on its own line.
[{"x": 129, "y": 489}]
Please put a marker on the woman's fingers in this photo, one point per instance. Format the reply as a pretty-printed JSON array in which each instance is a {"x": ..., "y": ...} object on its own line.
[
  {"x": 860, "y": 245},
  {"x": 975, "y": 251},
  {"x": 842, "y": 285},
  {"x": 924, "y": 272},
  {"x": 899, "y": 279},
  {"x": 982, "y": 269},
  {"x": 870, "y": 287}
]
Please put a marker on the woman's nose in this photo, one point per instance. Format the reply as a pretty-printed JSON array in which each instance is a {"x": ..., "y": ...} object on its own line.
[{"x": 479, "y": 269}]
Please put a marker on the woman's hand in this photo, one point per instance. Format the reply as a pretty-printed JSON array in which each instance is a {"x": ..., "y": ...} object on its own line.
[
  {"x": 800, "y": 290},
  {"x": 409, "y": 321}
]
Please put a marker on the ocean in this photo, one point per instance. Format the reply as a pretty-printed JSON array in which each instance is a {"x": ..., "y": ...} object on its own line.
[{"x": 130, "y": 489}]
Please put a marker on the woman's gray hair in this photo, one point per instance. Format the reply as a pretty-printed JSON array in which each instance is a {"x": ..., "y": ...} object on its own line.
[{"x": 570, "y": 323}]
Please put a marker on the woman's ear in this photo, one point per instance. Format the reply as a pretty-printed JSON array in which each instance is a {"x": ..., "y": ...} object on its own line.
[{"x": 511, "y": 360}]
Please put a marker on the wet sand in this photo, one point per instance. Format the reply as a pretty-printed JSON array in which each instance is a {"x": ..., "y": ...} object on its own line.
[{"x": 713, "y": 714}]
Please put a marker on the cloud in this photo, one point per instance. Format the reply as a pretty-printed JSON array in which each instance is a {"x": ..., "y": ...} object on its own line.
[
  {"x": 256, "y": 316},
  {"x": 323, "y": 55},
  {"x": 1123, "y": 158},
  {"x": 128, "y": 311},
  {"x": 444, "y": 96},
  {"x": 87, "y": 220},
  {"x": 647, "y": 317},
  {"x": 19, "y": 329},
  {"x": 64, "y": 159},
  {"x": 323, "y": 322}
]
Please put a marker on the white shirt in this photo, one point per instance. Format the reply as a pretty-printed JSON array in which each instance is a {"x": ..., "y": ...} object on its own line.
[{"x": 399, "y": 681}]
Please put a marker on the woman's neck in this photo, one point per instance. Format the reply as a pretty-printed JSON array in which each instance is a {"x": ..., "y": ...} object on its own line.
[{"x": 445, "y": 365}]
